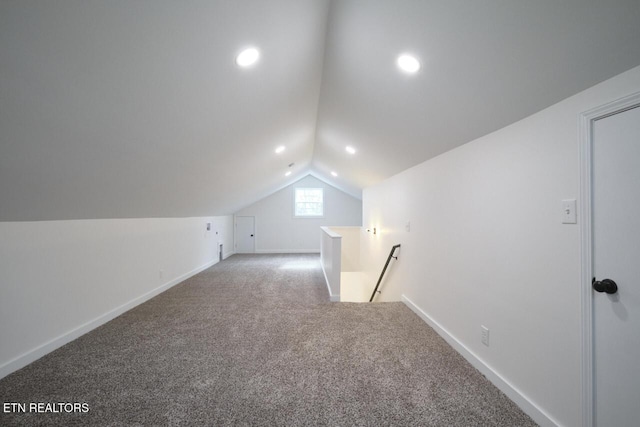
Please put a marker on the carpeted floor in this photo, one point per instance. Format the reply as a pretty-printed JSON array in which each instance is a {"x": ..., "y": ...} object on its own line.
[{"x": 254, "y": 341}]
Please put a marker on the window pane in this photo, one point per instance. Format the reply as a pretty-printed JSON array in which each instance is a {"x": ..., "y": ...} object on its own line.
[{"x": 308, "y": 202}]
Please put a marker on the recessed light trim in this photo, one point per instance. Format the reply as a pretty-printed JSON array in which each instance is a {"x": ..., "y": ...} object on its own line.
[
  {"x": 350, "y": 149},
  {"x": 280, "y": 149},
  {"x": 248, "y": 57},
  {"x": 287, "y": 173},
  {"x": 408, "y": 63},
  {"x": 334, "y": 173}
]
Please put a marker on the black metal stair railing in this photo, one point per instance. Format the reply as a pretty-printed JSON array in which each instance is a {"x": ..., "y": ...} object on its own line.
[{"x": 393, "y": 249}]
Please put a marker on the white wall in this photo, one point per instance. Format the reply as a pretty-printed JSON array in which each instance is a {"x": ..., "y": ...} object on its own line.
[
  {"x": 223, "y": 229},
  {"x": 331, "y": 260},
  {"x": 349, "y": 248},
  {"x": 60, "y": 279},
  {"x": 486, "y": 247},
  {"x": 277, "y": 230}
]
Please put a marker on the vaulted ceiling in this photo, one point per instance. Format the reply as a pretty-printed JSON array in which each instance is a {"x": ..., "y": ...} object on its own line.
[{"x": 124, "y": 108}]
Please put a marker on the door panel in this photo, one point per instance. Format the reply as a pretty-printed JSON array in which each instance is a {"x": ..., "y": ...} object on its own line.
[
  {"x": 616, "y": 256},
  {"x": 245, "y": 234}
]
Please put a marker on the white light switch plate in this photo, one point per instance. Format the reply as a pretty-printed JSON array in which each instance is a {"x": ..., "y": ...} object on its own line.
[{"x": 569, "y": 214}]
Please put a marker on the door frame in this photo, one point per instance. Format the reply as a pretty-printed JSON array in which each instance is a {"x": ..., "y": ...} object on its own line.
[
  {"x": 235, "y": 223},
  {"x": 586, "y": 253}
]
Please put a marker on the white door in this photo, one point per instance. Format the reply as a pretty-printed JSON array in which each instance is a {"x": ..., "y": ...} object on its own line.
[
  {"x": 616, "y": 256},
  {"x": 245, "y": 234}
]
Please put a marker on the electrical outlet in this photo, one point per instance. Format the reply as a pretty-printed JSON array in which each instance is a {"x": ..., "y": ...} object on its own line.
[{"x": 484, "y": 335}]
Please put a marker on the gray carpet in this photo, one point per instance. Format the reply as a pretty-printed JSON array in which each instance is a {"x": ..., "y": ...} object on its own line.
[{"x": 254, "y": 341}]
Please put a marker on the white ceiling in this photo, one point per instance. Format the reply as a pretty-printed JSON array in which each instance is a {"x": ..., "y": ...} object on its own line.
[{"x": 137, "y": 109}]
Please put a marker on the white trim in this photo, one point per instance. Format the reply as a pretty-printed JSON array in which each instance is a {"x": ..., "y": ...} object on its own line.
[
  {"x": 353, "y": 192},
  {"x": 530, "y": 408},
  {"x": 586, "y": 120},
  {"x": 299, "y": 177},
  {"x": 332, "y": 297},
  {"x": 329, "y": 232},
  {"x": 36, "y": 353},
  {"x": 288, "y": 251},
  {"x": 235, "y": 233},
  {"x": 295, "y": 202}
]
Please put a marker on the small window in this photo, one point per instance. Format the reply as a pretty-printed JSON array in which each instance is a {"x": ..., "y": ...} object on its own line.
[{"x": 309, "y": 202}]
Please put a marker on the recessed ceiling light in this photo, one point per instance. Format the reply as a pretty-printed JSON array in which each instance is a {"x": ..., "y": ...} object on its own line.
[
  {"x": 287, "y": 173},
  {"x": 350, "y": 149},
  {"x": 408, "y": 63},
  {"x": 248, "y": 57},
  {"x": 334, "y": 173},
  {"x": 280, "y": 149}
]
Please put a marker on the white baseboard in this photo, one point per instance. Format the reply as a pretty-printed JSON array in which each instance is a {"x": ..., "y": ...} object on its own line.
[
  {"x": 35, "y": 354},
  {"x": 227, "y": 255},
  {"x": 287, "y": 251},
  {"x": 530, "y": 408}
]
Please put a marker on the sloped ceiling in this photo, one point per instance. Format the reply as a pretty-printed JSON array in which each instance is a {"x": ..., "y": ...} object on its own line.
[{"x": 112, "y": 109}]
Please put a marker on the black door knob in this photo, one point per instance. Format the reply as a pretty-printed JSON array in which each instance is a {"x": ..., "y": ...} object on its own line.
[
  {"x": 252, "y": 235},
  {"x": 606, "y": 285}
]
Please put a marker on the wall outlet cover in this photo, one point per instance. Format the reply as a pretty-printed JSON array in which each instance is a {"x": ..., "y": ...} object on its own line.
[
  {"x": 569, "y": 214},
  {"x": 484, "y": 334}
]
